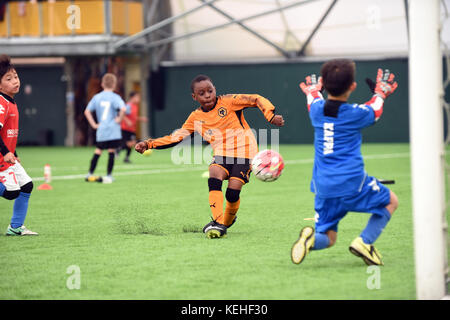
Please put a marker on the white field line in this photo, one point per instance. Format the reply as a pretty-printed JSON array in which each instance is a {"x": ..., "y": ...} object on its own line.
[
  {"x": 183, "y": 168},
  {"x": 369, "y": 157},
  {"x": 123, "y": 166},
  {"x": 127, "y": 173}
]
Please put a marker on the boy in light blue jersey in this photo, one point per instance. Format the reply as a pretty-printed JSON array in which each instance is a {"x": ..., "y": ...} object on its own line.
[
  {"x": 339, "y": 180},
  {"x": 109, "y": 109}
]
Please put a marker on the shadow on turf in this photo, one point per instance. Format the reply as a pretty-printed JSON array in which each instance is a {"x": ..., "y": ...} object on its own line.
[
  {"x": 135, "y": 220},
  {"x": 136, "y": 225},
  {"x": 192, "y": 229}
]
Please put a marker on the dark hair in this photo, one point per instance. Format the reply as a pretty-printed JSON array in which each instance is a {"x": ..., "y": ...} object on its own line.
[
  {"x": 132, "y": 94},
  {"x": 338, "y": 75},
  {"x": 198, "y": 78},
  {"x": 5, "y": 65}
]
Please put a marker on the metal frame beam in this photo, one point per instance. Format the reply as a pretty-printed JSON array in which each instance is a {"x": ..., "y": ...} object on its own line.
[
  {"x": 107, "y": 7},
  {"x": 258, "y": 35},
  {"x": 301, "y": 52},
  {"x": 286, "y": 26},
  {"x": 158, "y": 25},
  {"x": 152, "y": 11},
  {"x": 191, "y": 34},
  {"x": 405, "y": 4}
]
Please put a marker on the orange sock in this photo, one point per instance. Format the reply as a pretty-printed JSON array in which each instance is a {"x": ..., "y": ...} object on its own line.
[
  {"x": 231, "y": 208},
  {"x": 216, "y": 205}
]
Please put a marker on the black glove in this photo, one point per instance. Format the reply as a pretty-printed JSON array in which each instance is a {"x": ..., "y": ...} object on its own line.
[{"x": 371, "y": 84}]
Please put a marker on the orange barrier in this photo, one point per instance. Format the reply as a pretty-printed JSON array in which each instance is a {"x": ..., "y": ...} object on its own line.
[{"x": 63, "y": 18}]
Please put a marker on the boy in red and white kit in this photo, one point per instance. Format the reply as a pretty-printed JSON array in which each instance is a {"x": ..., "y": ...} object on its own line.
[{"x": 15, "y": 184}]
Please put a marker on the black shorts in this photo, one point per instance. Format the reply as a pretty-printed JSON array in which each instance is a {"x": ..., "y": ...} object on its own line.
[
  {"x": 110, "y": 144},
  {"x": 128, "y": 136},
  {"x": 236, "y": 168}
]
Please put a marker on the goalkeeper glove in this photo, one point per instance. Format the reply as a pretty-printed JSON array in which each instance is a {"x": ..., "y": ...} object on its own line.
[
  {"x": 384, "y": 85},
  {"x": 312, "y": 88}
]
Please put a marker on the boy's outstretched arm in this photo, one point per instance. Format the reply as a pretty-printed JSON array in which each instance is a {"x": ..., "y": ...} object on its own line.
[
  {"x": 242, "y": 101},
  {"x": 277, "y": 120},
  {"x": 312, "y": 89},
  {"x": 382, "y": 88},
  {"x": 167, "y": 141},
  {"x": 141, "y": 146}
]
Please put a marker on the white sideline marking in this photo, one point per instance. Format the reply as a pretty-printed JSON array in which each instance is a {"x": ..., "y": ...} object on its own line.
[
  {"x": 127, "y": 167},
  {"x": 172, "y": 169},
  {"x": 132, "y": 173},
  {"x": 387, "y": 156},
  {"x": 369, "y": 157}
]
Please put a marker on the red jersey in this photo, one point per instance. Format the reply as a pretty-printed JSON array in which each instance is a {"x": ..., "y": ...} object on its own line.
[
  {"x": 134, "y": 111},
  {"x": 9, "y": 126}
]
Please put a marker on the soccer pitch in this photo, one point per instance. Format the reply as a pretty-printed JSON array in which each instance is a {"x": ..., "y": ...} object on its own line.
[{"x": 140, "y": 237}]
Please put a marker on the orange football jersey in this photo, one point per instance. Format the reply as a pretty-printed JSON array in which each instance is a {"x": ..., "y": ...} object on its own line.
[{"x": 224, "y": 126}]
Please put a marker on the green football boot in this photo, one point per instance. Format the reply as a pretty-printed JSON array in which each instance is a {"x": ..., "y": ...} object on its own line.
[{"x": 20, "y": 231}]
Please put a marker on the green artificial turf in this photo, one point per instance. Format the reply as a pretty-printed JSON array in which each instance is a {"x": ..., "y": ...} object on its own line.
[{"x": 140, "y": 237}]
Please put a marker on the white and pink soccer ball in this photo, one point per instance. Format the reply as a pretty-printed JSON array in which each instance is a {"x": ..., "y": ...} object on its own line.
[{"x": 267, "y": 165}]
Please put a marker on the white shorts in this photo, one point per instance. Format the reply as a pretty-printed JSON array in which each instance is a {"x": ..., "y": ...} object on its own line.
[{"x": 14, "y": 177}]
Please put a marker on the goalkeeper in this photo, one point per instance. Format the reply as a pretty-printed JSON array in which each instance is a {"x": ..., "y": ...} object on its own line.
[
  {"x": 220, "y": 121},
  {"x": 339, "y": 180}
]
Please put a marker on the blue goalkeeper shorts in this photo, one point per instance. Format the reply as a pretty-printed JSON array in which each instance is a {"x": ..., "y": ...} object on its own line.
[{"x": 373, "y": 198}]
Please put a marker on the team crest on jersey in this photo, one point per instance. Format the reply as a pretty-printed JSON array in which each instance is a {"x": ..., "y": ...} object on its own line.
[{"x": 222, "y": 112}]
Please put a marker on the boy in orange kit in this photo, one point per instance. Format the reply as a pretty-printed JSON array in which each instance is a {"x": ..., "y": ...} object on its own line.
[{"x": 220, "y": 121}]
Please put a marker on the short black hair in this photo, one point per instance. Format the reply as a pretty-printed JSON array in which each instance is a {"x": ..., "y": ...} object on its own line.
[
  {"x": 5, "y": 65},
  {"x": 198, "y": 78},
  {"x": 338, "y": 75},
  {"x": 132, "y": 94}
]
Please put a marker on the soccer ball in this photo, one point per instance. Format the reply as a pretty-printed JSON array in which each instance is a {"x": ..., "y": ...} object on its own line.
[{"x": 267, "y": 165}]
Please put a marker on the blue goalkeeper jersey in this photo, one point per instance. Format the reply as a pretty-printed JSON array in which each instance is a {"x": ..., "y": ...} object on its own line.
[
  {"x": 338, "y": 163},
  {"x": 106, "y": 106}
]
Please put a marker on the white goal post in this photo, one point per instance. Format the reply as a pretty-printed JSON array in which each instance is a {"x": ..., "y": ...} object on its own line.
[{"x": 427, "y": 148}]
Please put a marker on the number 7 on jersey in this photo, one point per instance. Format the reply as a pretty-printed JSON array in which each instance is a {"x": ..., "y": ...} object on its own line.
[{"x": 106, "y": 105}]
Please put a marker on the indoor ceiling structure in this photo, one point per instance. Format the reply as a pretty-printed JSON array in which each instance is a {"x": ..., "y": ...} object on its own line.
[{"x": 205, "y": 30}]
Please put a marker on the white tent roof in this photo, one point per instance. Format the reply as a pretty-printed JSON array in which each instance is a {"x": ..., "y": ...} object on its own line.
[{"x": 351, "y": 28}]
